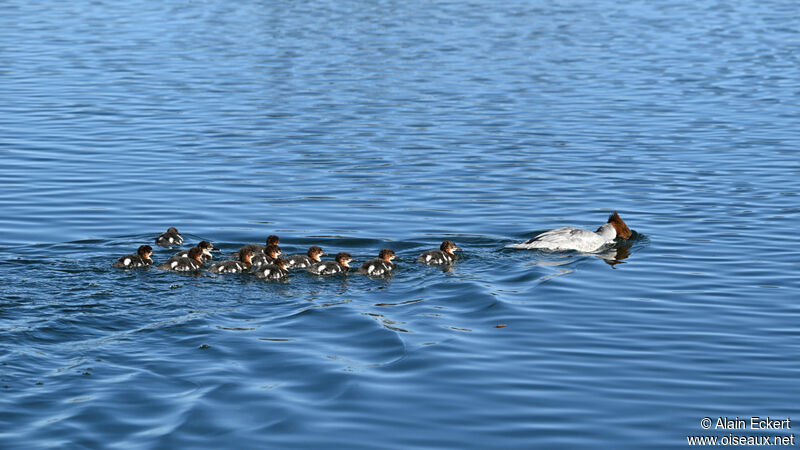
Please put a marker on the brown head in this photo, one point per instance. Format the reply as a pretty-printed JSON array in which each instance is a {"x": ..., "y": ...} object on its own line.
[
  {"x": 245, "y": 255},
  {"x": 144, "y": 251},
  {"x": 344, "y": 258},
  {"x": 282, "y": 263},
  {"x": 273, "y": 251},
  {"x": 196, "y": 254},
  {"x": 172, "y": 230},
  {"x": 619, "y": 225},
  {"x": 448, "y": 247},
  {"x": 314, "y": 252},
  {"x": 386, "y": 255},
  {"x": 273, "y": 240},
  {"x": 206, "y": 248}
]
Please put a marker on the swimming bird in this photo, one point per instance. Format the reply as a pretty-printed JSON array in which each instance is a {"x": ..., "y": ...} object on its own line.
[
  {"x": 274, "y": 271},
  {"x": 381, "y": 265},
  {"x": 572, "y": 238},
  {"x": 140, "y": 259},
  {"x": 303, "y": 261},
  {"x": 204, "y": 246},
  {"x": 169, "y": 238},
  {"x": 341, "y": 264},
  {"x": 190, "y": 263},
  {"x": 231, "y": 266},
  {"x": 258, "y": 248},
  {"x": 268, "y": 256},
  {"x": 444, "y": 256}
]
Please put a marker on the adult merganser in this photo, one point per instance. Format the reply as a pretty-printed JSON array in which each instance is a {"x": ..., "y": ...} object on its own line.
[
  {"x": 272, "y": 271},
  {"x": 444, "y": 256},
  {"x": 381, "y": 265},
  {"x": 140, "y": 259},
  {"x": 190, "y": 263},
  {"x": 169, "y": 238},
  {"x": 341, "y": 264},
  {"x": 268, "y": 256},
  {"x": 572, "y": 238},
  {"x": 239, "y": 266},
  {"x": 303, "y": 261}
]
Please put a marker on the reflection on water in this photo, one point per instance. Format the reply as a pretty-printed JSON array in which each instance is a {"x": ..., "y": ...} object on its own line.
[{"x": 617, "y": 254}]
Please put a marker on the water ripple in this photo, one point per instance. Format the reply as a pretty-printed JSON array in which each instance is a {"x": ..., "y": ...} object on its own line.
[{"x": 357, "y": 126}]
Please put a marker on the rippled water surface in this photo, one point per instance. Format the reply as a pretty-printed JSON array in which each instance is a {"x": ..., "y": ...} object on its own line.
[{"x": 362, "y": 125}]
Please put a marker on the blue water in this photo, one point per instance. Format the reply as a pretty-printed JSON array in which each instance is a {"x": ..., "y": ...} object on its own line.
[{"x": 362, "y": 125}]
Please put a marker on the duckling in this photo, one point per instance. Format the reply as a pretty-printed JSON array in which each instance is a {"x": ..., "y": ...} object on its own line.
[
  {"x": 231, "y": 266},
  {"x": 304, "y": 261},
  {"x": 444, "y": 256},
  {"x": 169, "y": 238},
  {"x": 191, "y": 263},
  {"x": 258, "y": 248},
  {"x": 140, "y": 259},
  {"x": 381, "y": 265},
  {"x": 341, "y": 264},
  {"x": 268, "y": 256},
  {"x": 274, "y": 271},
  {"x": 204, "y": 246}
]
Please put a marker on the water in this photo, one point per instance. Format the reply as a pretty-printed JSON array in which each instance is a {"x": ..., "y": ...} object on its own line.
[{"x": 362, "y": 125}]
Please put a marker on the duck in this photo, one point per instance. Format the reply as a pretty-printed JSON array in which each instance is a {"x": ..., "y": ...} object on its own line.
[
  {"x": 258, "y": 248},
  {"x": 379, "y": 266},
  {"x": 274, "y": 271},
  {"x": 191, "y": 263},
  {"x": 444, "y": 256},
  {"x": 232, "y": 266},
  {"x": 303, "y": 261},
  {"x": 572, "y": 238},
  {"x": 340, "y": 264},
  {"x": 204, "y": 246},
  {"x": 132, "y": 261},
  {"x": 169, "y": 238},
  {"x": 268, "y": 256}
]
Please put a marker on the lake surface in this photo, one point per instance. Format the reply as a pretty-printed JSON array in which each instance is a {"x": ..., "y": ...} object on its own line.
[{"x": 362, "y": 125}]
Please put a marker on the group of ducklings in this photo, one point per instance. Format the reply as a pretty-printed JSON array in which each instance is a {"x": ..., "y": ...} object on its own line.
[{"x": 265, "y": 262}]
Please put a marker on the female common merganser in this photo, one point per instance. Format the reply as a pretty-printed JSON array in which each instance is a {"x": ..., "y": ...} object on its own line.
[
  {"x": 303, "y": 261},
  {"x": 190, "y": 263},
  {"x": 571, "y": 238},
  {"x": 381, "y": 265},
  {"x": 204, "y": 246},
  {"x": 268, "y": 256},
  {"x": 341, "y": 264},
  {"x": 239, "y": 266},
  {"x": 140, "y": 259},
  {"x": 444, "y": 256},
  {"x": 169, "y": 238},
  {"x": 272, "y": 271},
  {"x": 258, "y": 248}
]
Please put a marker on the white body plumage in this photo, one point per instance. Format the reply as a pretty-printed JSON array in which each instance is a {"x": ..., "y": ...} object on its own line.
[{"x": 571, "y": 238}]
